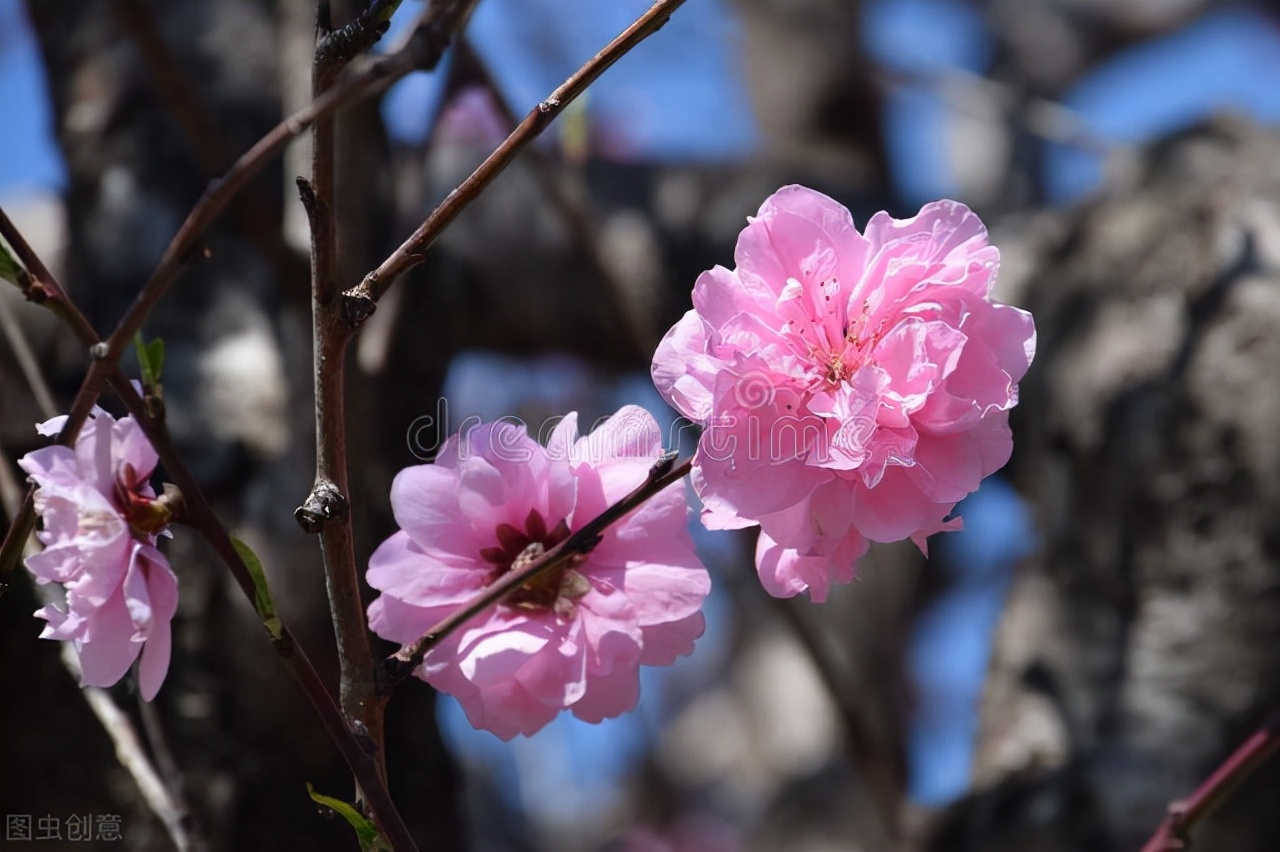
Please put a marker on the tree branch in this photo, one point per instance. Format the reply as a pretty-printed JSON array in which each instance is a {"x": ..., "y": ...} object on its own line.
[
  {"x": 326, "y": 510},
  {"x": 27, "y": 362},
  {"x": 1172, "y": 835},
  {"x": 362, "y": 299},
  {"x": 574, "y": 212},
  {"x": 400, "y": 665},
  {"x": 423, "y": 49}
]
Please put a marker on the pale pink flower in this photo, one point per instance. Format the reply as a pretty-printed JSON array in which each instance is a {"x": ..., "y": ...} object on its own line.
[
  {"x": 100, "y": 522},
  {"x": 571, "y": 639},
  {"x": 853, "y": 387}
]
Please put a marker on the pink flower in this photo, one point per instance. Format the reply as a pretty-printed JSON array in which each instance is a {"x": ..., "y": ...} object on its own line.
[
  {"x": 493, "y": 500},
  {"x": 853, "y": 387},
  {"x": 100, "y": 522}
]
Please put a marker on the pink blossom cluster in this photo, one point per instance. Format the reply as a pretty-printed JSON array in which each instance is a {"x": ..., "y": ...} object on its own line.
[
  {"x": 494, "y": 500},
  {"x": 100, "y": 524},
  {"x": 853, "y": 386}
]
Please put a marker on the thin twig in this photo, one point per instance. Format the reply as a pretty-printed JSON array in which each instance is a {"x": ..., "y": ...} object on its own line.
[
  {"x": 364, "y": 296},
  {"x": 201, "y": 517},
  {"x": 27, "y": 362},
  {"x": 1173, "y": 833},
  {"x": 165, "y": 802},
  {"x": 430, "y": 37},
  {"x": 401, "y": 664},
  {"x": 573, "y": 212}
]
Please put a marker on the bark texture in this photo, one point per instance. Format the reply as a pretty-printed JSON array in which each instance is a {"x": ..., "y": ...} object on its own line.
[{"x": 1138, "y": 647}]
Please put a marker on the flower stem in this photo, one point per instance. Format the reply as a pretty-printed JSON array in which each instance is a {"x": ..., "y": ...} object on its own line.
[
  {"x": 363, "y": 297},
  {"x": 1172, "y": 835}
]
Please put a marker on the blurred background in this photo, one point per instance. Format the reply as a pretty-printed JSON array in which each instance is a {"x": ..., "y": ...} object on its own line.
[{"x": 1101, "y": 635}]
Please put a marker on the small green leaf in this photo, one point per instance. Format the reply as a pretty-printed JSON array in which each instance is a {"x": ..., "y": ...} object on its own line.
[
  {"x": 261, "y": 593},
  {"x": 9, "y": 267},
  {"x": 384, "y": 14},
  {"x": 155, "y": 354},
  {"x": 150, "y": 360},
  {"x": 366, "y": 832}
]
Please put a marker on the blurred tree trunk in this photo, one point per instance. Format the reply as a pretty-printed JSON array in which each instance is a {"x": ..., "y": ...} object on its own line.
[{"x": 1139, "y": 647}]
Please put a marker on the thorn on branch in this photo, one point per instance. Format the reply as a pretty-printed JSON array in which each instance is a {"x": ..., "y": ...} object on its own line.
[{"x": 323, "y": 505}]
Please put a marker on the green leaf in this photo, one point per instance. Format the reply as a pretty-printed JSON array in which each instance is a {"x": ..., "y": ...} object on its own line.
[
  {"x": 150, "y": 360},
  {"x": 262, "y": 601},
  {"x": 9, "y": 267},
  {"x": 384, "y": 14},
  {"x": 366, "y": 832}
]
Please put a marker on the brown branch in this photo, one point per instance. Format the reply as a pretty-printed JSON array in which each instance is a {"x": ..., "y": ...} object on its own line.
[
  {"x": 27, "y": 362},
  {"x": 432, "y": 34},
  {"x": 400, "y": 665},
  {"x": 362, "y": 298},
  {"x": 573, "y": 212},
  {"x": 1173, "y": 833},
  {"x": 201, "y": 517},
  {"x": 326, "y": 509}
]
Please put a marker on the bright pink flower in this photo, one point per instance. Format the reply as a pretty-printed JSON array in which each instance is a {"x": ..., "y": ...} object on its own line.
[
  {"x": 99, "y": 533},
  {"x": 853, "y": 387},
  {"x": 571, "y": 639}
]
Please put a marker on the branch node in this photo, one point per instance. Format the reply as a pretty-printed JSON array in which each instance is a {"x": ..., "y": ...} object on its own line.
[
  {"x": 338, "y": 47},
  {"x": 34, "y": 291},
  {"x": 324, "y": 505},
  {"x": 663, "y": 465},
  {"x": 390, "y": 673},
  {"x": 357, "y": 306}
]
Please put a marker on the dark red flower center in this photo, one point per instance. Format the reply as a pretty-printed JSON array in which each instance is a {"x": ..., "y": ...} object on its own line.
[
  {"x": 517, "y": 549},
  {"x": 146, "y": 515}
]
